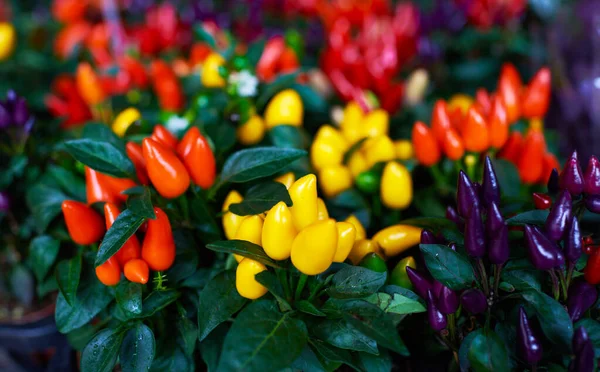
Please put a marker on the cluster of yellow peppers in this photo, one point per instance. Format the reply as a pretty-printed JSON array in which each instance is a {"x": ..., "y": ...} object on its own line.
[
  {"x": 305, "y": 234},
  {"x": 331, "y": 145}
]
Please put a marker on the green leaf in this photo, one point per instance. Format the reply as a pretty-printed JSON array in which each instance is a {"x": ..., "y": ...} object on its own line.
[
  {"x": 394, "y": 289},
  {"x": 355, "y": 282},
  {"x": 101, "y": 156},
  {"x": 217, "y": 302},
  {"x": 524, "y": 279},
  {"x": 186, "y": 262},
  {"x": 140, "y": 204},
  {"x": 552, "y": 316},
  {"x": 157, "y": 301},
  {"x": 203, "y": 35},
  {"x": 354, "y": 148},
  {"x": 126, "y": 224},
  {"x": 463, "y": 351},
  {"x": 14, "y": 168},
  {"x": 137, "y": 350},
  {"x": 102, "y": 351},
  {"x": 308, "y": 308},
  {"x": 80, "y": 337},
  {"x": 172, "y": 358},
  {"x": 508, "y": 177},
  {"x": 262, "y": 336},
  {"x": 333, "y": 354},
  {"x": 450, "y": 268},
  {"x": 488, "y": 352},
  {"x": 22, "y": 284},
  {"x": 288, "y": 136},
  {"x": 250, "y": 164},
  {"x": 103, "y": 133},
  {"x": 376, "y": 363},
  {"x": 272, "y": 283},
  {"x": 340, "y": 333},
  {"x": 69, "y": 182},
  {"x": 203, "y": 218},
  {"x": 396, "y": 303},
  {"x": 211, "y": 346},
  {"x": 261, "y": 198},
  {"x": 129, "y": 297},
  {"x": 67, "y": 278},
  {"x": 243, "y": 248},
  {"x": 222, "y": 135},
  {"x": 313, "y": 101},
  {"x": 536, "y": 217},
  {"x": 42, "y": 254},
  {"x": 188, "y": 333},
  {"x": 44, "y": 202},
  {"x": 307, "y": 361}
]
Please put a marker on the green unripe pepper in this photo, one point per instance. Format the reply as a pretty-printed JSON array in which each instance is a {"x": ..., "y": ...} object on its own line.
[
  {"x": 399, "y": 276},
  {"x": 374, "y": 262}
]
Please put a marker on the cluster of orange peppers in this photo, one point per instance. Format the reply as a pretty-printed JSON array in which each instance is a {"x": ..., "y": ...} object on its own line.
[{"x": 463, "y": 125}]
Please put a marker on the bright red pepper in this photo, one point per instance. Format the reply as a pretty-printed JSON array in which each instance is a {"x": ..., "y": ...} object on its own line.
[
  {"x": 185, "y": 145},
  {"x": 131, "y": 248},
  {"x": 162, "y": 135},
  {"x": 166, "y": 86},
  {"x": 84, "y": 224},
  {"x": 541, "y": 201},
  {"x": 165, "y": 170},
  {"x": 137, "y": 271},
  {"x": 201, "y": 164},
  {"x": 158, "y": 249},
  {"x": 426, "y": 148},
  {"x": 536, "y": 97},
  {"x": 530, "y": 161},
  {"x": 592, "y": 269},
  {"x": 198, "y": 53},
  {"x": 440, "y": 120},
  {"x": 136, "y": 70},
  {"x": 109, "y": 273},
  {"x": 136, "y": 155},
  {"x": 118, "y": 185},
  {"x": 475, "y": 131},
  {"x": 266, "y": 66},
  {"x": 482, "y": 98},
  {"x": 509, "y": 88},
  {"x": 498, "y": 124},
  {"x": 453, "y": 145},
  {"x": 97, "y": 188},
  {"x": 288, "y": 61},
  {"x": 512, "y": 148}
]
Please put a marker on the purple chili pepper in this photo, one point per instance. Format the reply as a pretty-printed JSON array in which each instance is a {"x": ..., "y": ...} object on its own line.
[
  {"x": 478, "y": 190},
  {"x": 4, "y": 201},
  {"x": 20, "y": 113},
  {"x": 529, "y": 346},
  {"x": 453, "y": 216},
  {"x": 5, "y": 117},
  {"x": 571, "y": 177},
  {"x": 591, "y": 185},
  {"x": 553, "y": 184},
  {"x": 582, "y": 296},
  {"x": 559, "y": 217},
  {"x": 474, "y": 301},
  {"x": 494, "y": 220},
  {"x": 592, "y": 203},
  {"x": 436, "y": 288},
  {"x": 474, "y": 234},
  {"x": 427, "y": 237},
  {"x": 419, "y": 282},
  {"x": 437, "y": 320},
  {"x": 584, "y": 361},
  {"x": 499, "y": 250},
  {"x": 573, "y": 244},
  {"x": 543, "y": 252},
  {"x": 447, "y": 301},
  {"x": 491, "y": 189},
  {"x": 466, "y": 195},
  {"x": 580, "y": 338}
]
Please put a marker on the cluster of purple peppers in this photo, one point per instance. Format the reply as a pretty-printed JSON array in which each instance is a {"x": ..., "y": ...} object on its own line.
[
  {"x": 576, "y": 182},
  {"x": 14, "y": 113}
]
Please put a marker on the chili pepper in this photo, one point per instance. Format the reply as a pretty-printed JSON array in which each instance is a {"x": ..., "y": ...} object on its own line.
[
  {"x": 210, "y": 76},
  {"x": 399, "y": 275},
  {"x": 89, "y": 85},
  {"x": 592, "y": 268},
  {"x": 322, "y": 213},
  {"x": 571, "y": 177},
  {"x": 437, "y": 320},
  {"x": 475, "y": 234},
  {"x": 304, "y": 198},
  {"x": 136, "y": 155},
  {"x": 184, "y": 147},
  {"x": 543, "y": 252},
  {"x": 582, "y": 295},
  {"x": 231, "y": 221},
  {"x": 452, "y": 145},
  {"x": 541, "y": 201},
  {"x": 436, "y": 289},
  {"x": 427, "y": 237},
  {"x": 345, "y": 240},
  {"x": 136, "y": 71},
  {"x": 474, "y": 301},
  {"x": 201, "y": 164},
  {"x": 162, "y": 135},
  {"x": 531, "y": 157},
  {"x": 334, "y": 180},
  {"x": 374, "y": 262},
  {"x": 395, "y": 239},
  {"x": 421, "y": 284},
  {"x": 357, "y": 164},
  {"x": 274, "y": 48},
  {"x": 378, "y": 149},
  {"x": 166, "y": 86},
  {"x": 278, "y": 232},
  {"x": 285, "y": 108},
  {"x": 376, "y": 123},
  {"x": 404, "y": 149},
  {"x": 559, "y": 217},
  {"x": 351, "y": 124},
  {"x": 245, "y": 279},
  {"x": 529, "y": 347},
  {"x": 396, "y": 186},
  {"x": 592, "y": 203},
  {"x": 591, "y": 177},
  {"x": 573, "y": 242},
  {"x": 360, "y": 230},
  {"x": 511, "y": 150},
  {"x": 314, "y": 247},
  {"x": 8, "y": 38},
  {"x": 288, "y": 62},
  {"x": 536, "y": 97},
  {"x": 131, "y": 249},
  {"x": 440, "y": 120},
  {"x": 136, "y": 271},
  {"x": 252, "y": 131},
  {"x": 585, "y": 360},
  {"x": 199, "y": 52},
  {"x": 158, "y": 249},
  {"x": 494, "y": 221},
  {"x": 4, "y": 202},
  {"x": 466, "y": 195},
  {"x": 117, "y": 185},
  {"x": 368, "y": 181},
  {"x": 498, "y": 246},
  {"x": 475, "y": 131},
  {"x": 427, "y": 151},
  {"x": 109, "y": 273},
  {"x": 363, "y": 247},
  {"x": 447, "y": 301},
  {"x": 509, "y": 88},
  {"x": 490, "y": 186},
  {"x": 287, "y": 179},
  {"x": 476, "y": 185},
  {"x": 250, "y": 230},
  {"x": 328, "y": 148},
  {"x": 124, "y": 120},
  {"x": 168, "y": 175},
  {"x": 97, "y": 188},
  {"x": 453, "y": 216},
  {"x": 85, "y": 226},
  {"x": 553, "y": 182}
]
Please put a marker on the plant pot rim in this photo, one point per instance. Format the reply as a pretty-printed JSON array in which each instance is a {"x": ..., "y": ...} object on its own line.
[{"x": 31, "y": 317}]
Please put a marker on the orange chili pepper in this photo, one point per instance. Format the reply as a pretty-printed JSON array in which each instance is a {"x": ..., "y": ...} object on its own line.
[
  {"x": 137, "y": 271},
  {"x": 509, "y": 88},
  {"x": 84, "y": 224},
  {"x": 453, "y": 145},
  {"x": 162, "y": 135},
  {"x": 136, "y": 71},
  {"x": 185, "y": 145},
  {"x": 426, "y": 148},
  {"x": 118, "y": 185},
  {"x": 158, "y": 249},
  {"x": 200, "y": 163},
  {"x": 440, "y": 121},
  {"x": 109, "y": 273},
  {"x": 512, "y": 148},
  {"x": 199, "y": 53},
  {"x": 166, "y": 86},
  {"x": 288, "y": 61},
  {"x": 131, "y": 248},
  {"x": 475, "y": 132},
  {"x": 536, "y": 97},
  {"x": 484, "y": 101},
  {"x": 498, "y": 124},
  {"x": 68, "y": 11},
  {"x": 97, "y": 188},
  {"x": 531, "y": 161},
  {"x": 136, "y": 155},
  {"x": 165, "y": 170},
  {"x": 88, "y": 84}
]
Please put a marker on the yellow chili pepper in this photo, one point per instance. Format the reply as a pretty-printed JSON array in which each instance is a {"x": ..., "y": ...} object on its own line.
[
  {"x": 304, "y": 196},
  {"x": 461, "y": 101},
  {"x": 250, "y": 230},
  {"x": 231, "y": 222},
  {"x": 314, "y": 247},
  {"x": 404, "y": 149},
  {"x": 322, "y": 213},
  {"x": 328, "y": 148},
  {"x": 8, "y": 38},
  {"x": 363, "y": 247},
  {"x": 345, "y": 240},
  {"x": 396, "y": 186},
  {"x": 360, "y": 229},
  {"x": 351, "y": 125},
  {"x": 278, "y": 232},
  {"x": 252, "y": 131},
  {"x": 287, "y": 179},
  {"x": 334, "y": 180},
  {"x": 378, "y": 149},
  {"x": 396, "y": 239},
  {"x": 376, "y": 123},
  {"x": 210, "y": 76},
  {"x": 398, "y": 276},
  {"x": 124, "y": 120},
  {"x": 245, "y": 281},
  {"x": 357, "y": 164},
  {"x": 284, "y": 109}
]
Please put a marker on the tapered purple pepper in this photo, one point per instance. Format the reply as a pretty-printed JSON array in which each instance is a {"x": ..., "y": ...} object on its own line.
[
  {"x": 466, "y": 195},
  {"x": 427, "y": 237},
  {"x": 436, "y": 288},
  {"x": 573, "y": 243},
  {"x": 419, "y": 282},
  {"x": 553, "y": 183},
  {"x": 4, "y": 202},
  {"x": 475, "y": 234},
  {"x": 582, "y": 296},
  {"x": 529, "y": 347},
  {"x": 592, "y": 203},
  {"x": 584, "y": 361},
  {"x": 447, "y": 301},
  {"x": 490, "y": 186},
  {"x": 453, "y": 216},
  {"x": 543, "y": 252},
  {"x": 494, "y": 219},
  {"x": 474, "y": 301},
  {"x": 499, "y": 250},
  {"x": 437, "y": 320},
  {"x": 559, "y": 217},
  {"x": 591, "y": 178},
  {"x": 571, "y": 177}
]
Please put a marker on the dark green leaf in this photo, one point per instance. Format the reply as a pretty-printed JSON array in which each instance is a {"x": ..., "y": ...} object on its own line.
[
  {"x": 188, "y": 333},
  {"x": 313, "y": 101},
  {"x": 332, "y": 353},
  {"x": 44, "y": 202},
  {"x": 261, "y": 198},
  {"x": 307, "y": 361},
  {"x": 67, "y": 277},
  {"x": 523, "y": 279},
  {"x": 223, "y": 136},
  {"x": 157, "y": 301},
  {"x": 355, "y": 282},
  {"x": 69, "y": 182},
  {"x": 103, "y": 133},
  {"x": 308, "y": 308},
  {"x": 508, "y": 177},
  {"x": 48, "y": 286},
  {"x": 340, "y": 333},
  {"x": 552, "y": 316},
  {"x": 80, "y": 337},
  {"x": 126, "y": 224},
  {"x": 451, "y": 268},
  {"x": 186, "y": 263},
  {"x": 243, "y": 248},
  {"x": 463, "y": 352},
  {"x": 536, "y": 217},
  {"x": 354, "y": 148},
  {"x": 101, "y": 156},
  {"x": 488, "y": 353},
  {"x": 135, "y": 190},
  {"x": 129, "y": 297},
  {"x": 102, "y": 351},
  {"x": 437, "y": 225},
  {"x": 396, "y": 303},
  {"x": 376, "y": 363},
  {"x": 211, "y": 346},
  {"x": 263, "y": 336},
  {"x": 172, "y": 359},
  {"x": 14, "y": 168},
  {"x": 42, "y": 254},
  {"x": 272, "y": 283},
  {"x": 288, "y": 136},
  {"x": 137, "y": 350},
  {"x": 203, "y": 35},
  {"x": 204, "y": 219},
  {"x": 218, "y": 301},
  {"x": 394, "y": 289},
  {"x": 140, "y": 204}
]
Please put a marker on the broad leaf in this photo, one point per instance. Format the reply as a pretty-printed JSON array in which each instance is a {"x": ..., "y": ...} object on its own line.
[
  {"x": 552, "y": 316},
  {"x": 272, "y": 283},
  {"x": 355, "y": 282},
  {"x": 261, "y": 198},
  {"x": 307, "y": 361},
  {"x": 396, "y": 303},
  {"x": 44, "y": 202},
  {"x": 333, "y": 354},
  {"x": 102, "y": 351},
  {"x": 450, "y": 268},
  {"x": 126, "y": 224},
  {"x": 340, "y": 333},
  {"x": 376, "y": 363},
  {"x": 69, "y": 182},
  {"x": 140, "y": 204},
  {"x": 103, "y": 133},
  {"x": 308, "y": 308},
  {"x": 129, "y": 297},
  {"x": 243, "y": 248},
  {"x": 157, "y": 301},
  {"x": 536, "y": 217},
  {"x": 67, "y": 278},
  {"x": 42, "y": 254},
  {"x": 487, "y": 352},
  {"x": 523, "y": 279},
  {"x": 188, "y": 334},
  {"x": 288, "y": 136},
  {"x": 101, "y": 156},
  {"x": 137, "y": 350}
]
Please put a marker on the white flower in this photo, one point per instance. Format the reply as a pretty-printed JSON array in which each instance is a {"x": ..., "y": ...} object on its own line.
[
  {"x": 245, "y": 82},
  {"x": 177, "y": 124}
]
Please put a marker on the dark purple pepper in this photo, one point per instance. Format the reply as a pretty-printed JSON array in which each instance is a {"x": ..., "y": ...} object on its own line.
[
  {"x": 592, "y": 203},
  {"x": 490, "y": 187},
  {"x": 453, "y": 216},
  {"x": 559, "y": 217},
  {"x": 474, "y": 301},
  {"x": 475, "y": 234},
  {"x": 494, "y": 220},
  {"x": 419, "y": 282},
  {"x": 580, "y": 338},
  {"x": 437, "y": 320},
  {"x": 585, "y": 360},
  {"x": 529, "y": 346},
  {"x": 447, "y": 301},
  {"x": 573, "y": 244},
  {"x": 5, "y": 117},
  {"x": 591, "y": 178},
  {"x": 466, "y": 196},
  {"x": 553, "y": 184},
  {"x": 427, "y": 237},
  {"x": 571, "y": 177},
  {"x": 478, "y": 190},
  {"x": 4, "y": 201},
  {"x": 11, "y": 97},
  {"x": 499, "y": 250},
  {"x": 436, "y": 288},
  {"x": 20, "y": 113},
  {"x": 542, "y": 251},
  {"x": 582, "y": 295}
]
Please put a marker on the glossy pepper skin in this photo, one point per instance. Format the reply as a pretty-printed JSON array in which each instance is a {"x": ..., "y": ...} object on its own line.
[
  {"x": 345, "y": 240},
  {"x": 231, "y": 221},
  {"x": 582, "y": 295},
  {"x": 162, "y": 135},
  {"x": 278, "y": 232},
  {"x": 529, "y": 347},
  {"x": 541, "y": 201},
  {"x": 124, "y": 120},
  {"x": 421, "y": 284},
  {"x": 494, "y": 220},
  {"x": 396, "y": 239},
  {"x": 474, "y": 301},
  {"x": 399, "y": 275},
  {"x": 189, "y": 138},
  {"x": 201, "y": 164},
  {"x": 285, "y": 108},
  {"x": 427, "y": 237},
  {"x": 490, "y": 186},
  {"x": 475, "y": 131},
  {"x": 322, "y": 213},
  {"x": 304, "y": 196},
  {"x": 252, "y": 131},
  {"x": 136, "y": 155},
  {"x": 536, "y": 97},
  {"x": 314, "y": 247},
  {"x": 498, "y": 124},
  {"x": 363, "y": 247},
  {"x": 509, "y": 88},
  {"x": 573, "y": 244},
  {"x": 592, "y": 203},
  {"x": 452, "y": 215},
  {"x": 245, "y": 279},
  {"x": 475, "y": 234},
  {"x": 89, "y": 85},
  {"x": 466, "y": 195},
  {"x": 585, "y": 360},
  {"x": 437, "y": 320},
  {"x": 158, "y": 249},
  {"x": 447, "y": 301},
  {"x": 97, "y": 188},
  {"x": 571, "y": 177},
  {"x": 8, "y": 37},
  {"x": 131, "y": 249},
  {"x": 84, "y": 224},
  {"x": 165, "y": 170},
  {"x": 532, "y": 155},
  {"x": 592, "y": 268},
  {"x": 373, "y": 262},
  {"x": 499, "y": 249},
  {"x": 334, "y": 180},
  {"x": 211, "y": 78},
  {"x": 591, "y": 178},
  {"x": 396, "y": 186},
  {"x": 136, "y": 271},
  {"x": 109, "y": 273},
  {"x": 559, "y": 217},
  {"x": 360, "y": 229},
  {"x": 543, "y": 252},
  {"x": 427, "y": 150}
]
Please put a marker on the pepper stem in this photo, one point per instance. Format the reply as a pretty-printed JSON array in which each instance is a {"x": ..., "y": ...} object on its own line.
[
  {"x": 555, "y": 289},
  {"x": 300, "y": 287},
  {"x": 160, "y": 279},
  {"x": 497, "y": 274},
  {"x": 563, "y": 283},
  {"x": 570, "y": 268},
  {"x": 484, "y": 278},
  {"x": 284, "y": 281},
  {"x": 452, "y": 328}
]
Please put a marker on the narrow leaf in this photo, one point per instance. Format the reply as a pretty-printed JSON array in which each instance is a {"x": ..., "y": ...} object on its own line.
[
  {"x": 243, "y": 248},
  {"x": 126, "y": 224},
  {"x": 261, "y": 198},
  {"x": 101, "y": 156},
  {"x": 67, "y": 277}
]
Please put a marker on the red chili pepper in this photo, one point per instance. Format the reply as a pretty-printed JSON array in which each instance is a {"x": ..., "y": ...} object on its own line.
[
  {"x": 136, "y": 70},
  {"x": 509, "y": 88},
  {"x": 97, "y": 188},
  {"x": 530, "y": 162},
  {"x": 440, "y": 120},
  {"x": 135, "y": 154},
  {"x": 274, "y": 48},
  {"x": 426, "y": 148},
  {"x": 200, "y": 163},
  {"x": 288, "y": 61},
  {"x": 165, "y": 170},
  {"x": 542, "y": 201},
  {"x": 536, "y": 97},
  {"x": 482, "y": 98},
  {"x": 131, "y": 248},
  {"x": 475, "y": 131},
  {"x": 167, "y": 87},
  {"x": 109, "y": 273},
  {"x": 498, "y": 124},
  {"x": 185, "y": 145},
  {"x": 199, "y": 53},
  {"x": 136, "y": 271},
  {"x": 162, "y": 135},
  {"x": 453, "y": 145},
  {"x": 84, "y": 224},
  {"x": 588, "y": 249},
  {"x": 592, "y": 269},
  {"x": 158, "y": 249},
  {"x": 512, "y": 148}
]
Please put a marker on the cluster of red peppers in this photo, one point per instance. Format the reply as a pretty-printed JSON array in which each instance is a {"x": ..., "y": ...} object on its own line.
[{"x": 487, "y": 13}]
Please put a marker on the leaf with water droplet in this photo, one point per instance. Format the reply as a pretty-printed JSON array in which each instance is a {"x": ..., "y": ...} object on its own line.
[
  {"x": 137, "y": 351},
  {"x": 101, "y": 352}
]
